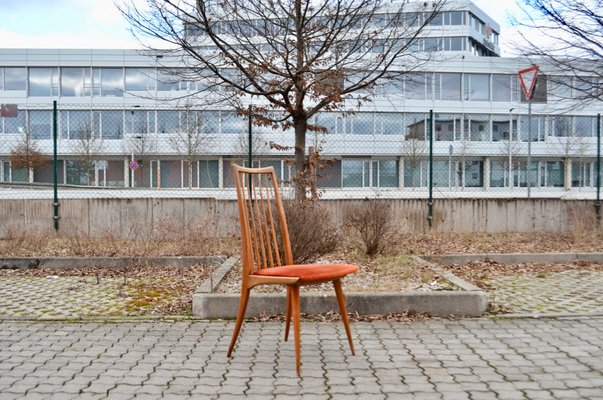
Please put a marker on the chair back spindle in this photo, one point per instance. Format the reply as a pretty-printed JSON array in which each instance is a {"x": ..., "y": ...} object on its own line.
[{"x": 262, "y": 220}]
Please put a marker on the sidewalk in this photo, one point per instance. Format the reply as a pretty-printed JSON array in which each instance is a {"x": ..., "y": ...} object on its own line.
[
  {"x": 435, "y": 359},
  {"x": 503, "y": 358}
]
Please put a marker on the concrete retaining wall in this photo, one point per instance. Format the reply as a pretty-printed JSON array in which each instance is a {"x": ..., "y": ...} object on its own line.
[{"x": 139, "y": 218}]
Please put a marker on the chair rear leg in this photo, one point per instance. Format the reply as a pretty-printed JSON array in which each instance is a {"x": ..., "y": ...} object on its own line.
[
  {"x": 288, "y": 315},
  {"x": 344, "y": 312},
  {"x": 296, "y": 326},
  {"x": 240, "y": 317}
]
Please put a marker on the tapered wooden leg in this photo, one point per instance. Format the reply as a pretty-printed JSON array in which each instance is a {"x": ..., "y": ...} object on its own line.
[
  {"x": 288, "y": 315},
  {"x": 240, "y": 317},
  {"x": 296, "y": 327},
  {"x": 344, "y": 312}
]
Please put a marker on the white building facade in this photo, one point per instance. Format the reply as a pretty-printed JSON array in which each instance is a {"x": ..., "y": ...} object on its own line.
[{"x": 118, "y": 110}]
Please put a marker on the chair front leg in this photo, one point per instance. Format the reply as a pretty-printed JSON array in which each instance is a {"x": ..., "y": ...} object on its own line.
[
  {"x": 288, "y": 314},
  {"x": 240, "y": 317},
  {"x": 344, "y": 312},
  {"x": 296, "y": 326}
]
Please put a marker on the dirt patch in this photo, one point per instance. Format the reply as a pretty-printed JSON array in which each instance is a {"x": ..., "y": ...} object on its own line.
[
  {"x": 482, "y": 272},
  {"x": 147, "y": 290},
  {"x": 381, "y": 274}
]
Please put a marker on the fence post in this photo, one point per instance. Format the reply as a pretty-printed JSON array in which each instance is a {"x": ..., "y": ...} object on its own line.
[
  {"x": 55, "y": 166},
  {"x": 598, "y": 165},
  {"x": 430, "y": 201}
]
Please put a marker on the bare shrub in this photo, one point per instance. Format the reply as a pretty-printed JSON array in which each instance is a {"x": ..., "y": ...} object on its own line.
[
  {"x": 371, "y": 219},
  {"x": 312, "y": 230}
]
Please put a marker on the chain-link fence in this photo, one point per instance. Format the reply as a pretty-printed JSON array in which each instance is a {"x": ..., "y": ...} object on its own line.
[{"x": 189, "y": 152}]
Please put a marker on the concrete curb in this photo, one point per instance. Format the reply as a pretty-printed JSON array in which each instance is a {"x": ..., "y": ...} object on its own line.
[
  {"x": 103, "y": 262},
  {"x": 515, "y": 258},
  {"x": 469, "y": 302},
  {"x": 439, "y": 304}
]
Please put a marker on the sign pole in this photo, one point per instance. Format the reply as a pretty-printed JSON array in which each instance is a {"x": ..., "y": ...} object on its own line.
[
  {"x": 529, "y": 166},
  {"x": 527, "y": 77}
]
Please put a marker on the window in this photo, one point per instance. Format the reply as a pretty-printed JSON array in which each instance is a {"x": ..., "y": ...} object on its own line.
[
  {"x": 77, "y": 124},
  {"x": 362, "y": 123},
  {"x": 326, "y": 120},
  {"x": 561, "y": 126},
  {"x": 551, "y": 174},
  {"x": 108, "y": 82},
  {"x": 76, "y": 82},
  {"x": 416, "y": 126},
  {"x": 454, "y": 18},
  {"x": 450, "y": 86},
  {"x": 477, "y": 87},
  {"x": 40, "y": 124},
  {"x": 43, "y": 81},
  {"x": 436, "y": 20},
  {"x": 138, "y": 121},
  {"x": 446, "y": 127},
  {"x": 232, "y": 123},
  {"x": 389, "y": 123},
  {"x": 477, "y": 127},
  {"x": 501, "y": 127},
  {"x": 15, "y": 78},
  {"x": 112, "y": 124},
  {"x": 16, "y": 124},
  {"x": 168, "y": 122},
  {"x": 585, "y": 126},
  {"x": 537, "y": 131},
  {"x": 208, "y": 173},
  {"x": 139, "y": 79},
  {"x": 560, "y": 87},
  {"x": 499, "y": 173},
  {"x": 167, "y": 81},
  {"x": 581, "y": 174},
  {"x": 473, "y": 172},
  {"x": 416, "y": 173},
  {"x": 414, "y": 88},
  {"x": 454, "y": 43},
  {"x": 504, "y": 87},
  {"x": 369, "y": 173}
]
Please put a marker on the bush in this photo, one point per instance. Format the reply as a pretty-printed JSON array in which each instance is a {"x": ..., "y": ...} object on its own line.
[
  {"x": 372, "y": 220},
  {"x": 312, "y": 231}
]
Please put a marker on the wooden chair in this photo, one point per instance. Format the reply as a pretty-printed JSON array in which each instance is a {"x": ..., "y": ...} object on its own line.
[{"x": 264, "y": 262}]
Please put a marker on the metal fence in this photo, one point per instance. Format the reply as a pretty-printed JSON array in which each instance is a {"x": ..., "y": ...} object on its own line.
[{"x": 120, "y": 151}]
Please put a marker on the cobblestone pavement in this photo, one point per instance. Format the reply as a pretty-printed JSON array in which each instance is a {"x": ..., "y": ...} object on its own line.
[
  {"x": 573, "y": 292},
  {"x": 570, "y": 291},
  {"x": 434, "y": 359}
]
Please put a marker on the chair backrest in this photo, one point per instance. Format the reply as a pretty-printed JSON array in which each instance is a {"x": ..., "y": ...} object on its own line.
[{"x": 262, "y": 219}]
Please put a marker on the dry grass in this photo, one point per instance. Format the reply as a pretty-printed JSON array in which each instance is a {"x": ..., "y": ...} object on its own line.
[
  {"x": 150, "y": 290},
  {"x": 382, "y": 273},
  {"x": 481, "y": 273}
]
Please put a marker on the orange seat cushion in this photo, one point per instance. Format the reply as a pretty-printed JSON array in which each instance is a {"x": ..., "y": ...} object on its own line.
[{"x": 310, "y": 272}]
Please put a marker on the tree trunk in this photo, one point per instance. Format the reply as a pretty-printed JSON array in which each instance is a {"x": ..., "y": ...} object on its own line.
[
  {"x": 30, "y": 174},
  {"x": 300, "y": 179},
  {"x": 190, "y": 175}
]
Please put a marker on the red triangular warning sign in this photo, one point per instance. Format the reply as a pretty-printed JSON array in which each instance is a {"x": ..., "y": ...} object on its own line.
[{"x": 527, "y": 77}]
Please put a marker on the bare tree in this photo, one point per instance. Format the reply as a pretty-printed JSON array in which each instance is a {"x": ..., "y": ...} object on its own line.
[
  {"x": 139, "y": 146},
  {"x": 413, "y": 151},
  {"x": 510, "y": 149},
  {"x": 193, "y": 137},
  {"x": 27, "y": 155},
  {"x": 299, "y": 57},
  {"x": 568, "y": 34},
  {"x": 87, "y": 146},
  {"x": 259, "y": 146}
]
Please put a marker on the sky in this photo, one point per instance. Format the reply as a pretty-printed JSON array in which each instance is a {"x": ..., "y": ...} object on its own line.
[{"x": 98, "y": 24}]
